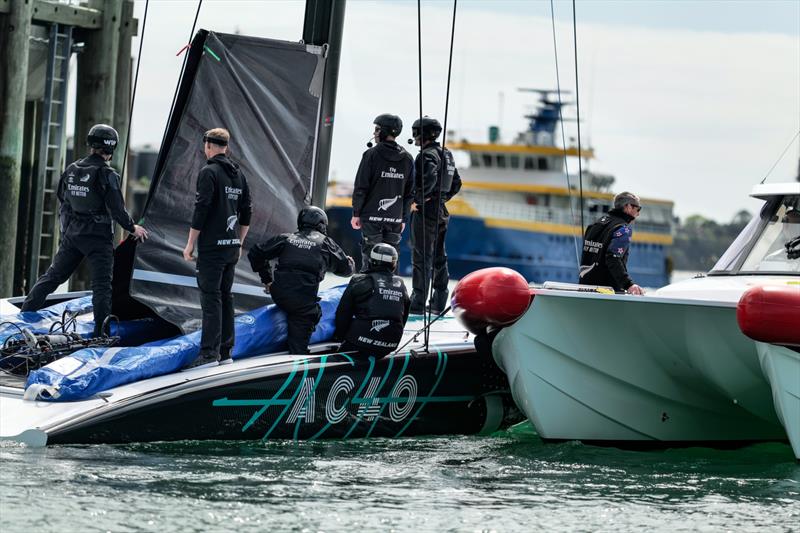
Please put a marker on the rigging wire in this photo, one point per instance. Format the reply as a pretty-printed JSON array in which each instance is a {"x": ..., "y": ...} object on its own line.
[
  {"x": 133, "y": 94},
  {"x": 421, "y": 168},
  {"x": 185, "y": 59},
  {"x": 429, "y": 286},
  {"x": 563, "y": 136},
  {"x": 781, "y": 157},
  {"x": 578, "y": 111}
]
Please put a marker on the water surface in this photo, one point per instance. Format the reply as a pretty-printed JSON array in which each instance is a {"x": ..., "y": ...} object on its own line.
[{"x": 510, "y": 481}]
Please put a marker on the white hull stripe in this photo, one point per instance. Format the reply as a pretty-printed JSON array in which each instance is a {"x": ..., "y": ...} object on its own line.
[{"x": 189, "y": 281}]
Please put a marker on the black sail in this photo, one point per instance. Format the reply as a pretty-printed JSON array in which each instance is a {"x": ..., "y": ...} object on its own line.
[{"x": 267, "y": 93}]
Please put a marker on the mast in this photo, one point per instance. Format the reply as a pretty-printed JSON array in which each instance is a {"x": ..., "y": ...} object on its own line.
[{"x": 323, "y": 24}]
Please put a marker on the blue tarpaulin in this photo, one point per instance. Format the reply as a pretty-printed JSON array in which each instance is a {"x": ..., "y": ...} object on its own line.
[
  {"x": 131, "y": 332},
  {"x": 92, "y": 370}
]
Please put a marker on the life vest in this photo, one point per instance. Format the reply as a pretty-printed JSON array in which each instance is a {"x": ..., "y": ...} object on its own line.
[
  {"x": 84, "y": 188},
  {"x": 593, "y": 269}
]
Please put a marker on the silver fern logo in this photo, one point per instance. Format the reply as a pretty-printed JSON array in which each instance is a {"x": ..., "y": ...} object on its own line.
[
  {"x": 86, "y": 178},
  {"x": 378, "y": 325},
  {"x": 386, "y": 203},
  {"x": 231, "y": 222}
]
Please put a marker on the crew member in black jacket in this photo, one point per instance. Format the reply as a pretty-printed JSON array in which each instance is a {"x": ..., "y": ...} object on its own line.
[
  {"x": 90, "y": 197},
  {"x": 222, "y": 202},
  {"x": 383, "y": 189},
  {"x": 437, "y": 182},
  {"x": 303, "y": 258},
  {"x": 606, "y": 246},
  {"x": 380, "y": 304}
]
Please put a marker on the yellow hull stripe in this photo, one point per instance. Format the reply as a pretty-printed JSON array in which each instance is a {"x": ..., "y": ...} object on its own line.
[{"x": 565, "y": 229}]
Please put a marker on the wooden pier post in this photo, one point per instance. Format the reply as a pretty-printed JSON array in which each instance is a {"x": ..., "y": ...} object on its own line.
[{"x": 14, "y": 44}]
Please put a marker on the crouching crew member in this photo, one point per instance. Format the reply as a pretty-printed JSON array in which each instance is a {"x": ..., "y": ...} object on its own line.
[
  {"x": 303, "y": 258},
  {"x": 383, "y": 189},
  {"x": 91, "y": 200},
  {"x": 222, "y": 203},
  {"x": 374, "y": 307},
  {"x": 606, "y": 245},
  {"x": 437, "y": 182}
]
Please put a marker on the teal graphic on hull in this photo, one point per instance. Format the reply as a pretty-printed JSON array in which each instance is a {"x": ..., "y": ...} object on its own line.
[{"x": 349, "y": 400}]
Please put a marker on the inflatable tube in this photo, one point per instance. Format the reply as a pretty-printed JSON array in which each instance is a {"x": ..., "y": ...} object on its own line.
[
  {"x": 771, "y": 313},
  {"x": 495, "y": 296},
  {"x": 92, "y": 370}
]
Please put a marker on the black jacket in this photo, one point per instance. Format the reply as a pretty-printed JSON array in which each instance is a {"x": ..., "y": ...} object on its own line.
[
  {"x": 384, "y": 186},
  {"x": 90, "y": 196},
  {"x": 602, "y": 264},
  {"x": 222, "y": 200},
  {"x": 373, "y": 311},
  {"x": 431, "y": 174},
  {"x": 305, "y": 251}
]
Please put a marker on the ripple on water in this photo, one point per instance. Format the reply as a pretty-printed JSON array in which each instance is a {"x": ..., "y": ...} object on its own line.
[{"x": 509, "y": 481}]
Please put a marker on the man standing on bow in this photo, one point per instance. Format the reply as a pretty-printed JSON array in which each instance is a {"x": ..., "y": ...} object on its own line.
[
  {"x": 437, "y": 182},
  {"x": 606, "y": 245},
  {"x": 383, "y": 189},
  {"x": 91, "y": 201},
  {"x": 222, "y": 203}
]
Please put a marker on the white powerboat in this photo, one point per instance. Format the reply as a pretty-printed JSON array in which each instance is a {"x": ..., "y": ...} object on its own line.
[{"x": 672, "y": 367}]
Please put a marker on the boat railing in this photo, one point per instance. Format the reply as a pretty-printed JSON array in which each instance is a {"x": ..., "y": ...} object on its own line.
[{"x": 512, "y": 209}]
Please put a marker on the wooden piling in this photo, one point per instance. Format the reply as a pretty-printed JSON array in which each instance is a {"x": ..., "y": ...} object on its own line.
[{"x": 14, "y": 44}]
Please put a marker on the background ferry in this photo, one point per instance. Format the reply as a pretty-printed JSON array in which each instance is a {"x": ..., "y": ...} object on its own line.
[{"x": 518, "y": 209}]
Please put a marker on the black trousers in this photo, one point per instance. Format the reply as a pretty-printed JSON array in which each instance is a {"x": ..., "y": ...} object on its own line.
[
  {"x": 215, "y": 272},
  {"x": 428, "y": 257},
  {"x": 98, "y": 248},
  {"x": 373, "y": 233},
  {"x": 301, "y": 318}
]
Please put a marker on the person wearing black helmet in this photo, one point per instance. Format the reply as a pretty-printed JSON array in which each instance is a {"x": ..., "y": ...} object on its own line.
[
  {"x": 437, "y": 182},
  {"x": 374, "y": 307},
  {"x": 90, "y": 202},
  {"x": 383, "y": 188},
  {"x": 222, "y": 203},
  {"x": 303, "y": 257}
]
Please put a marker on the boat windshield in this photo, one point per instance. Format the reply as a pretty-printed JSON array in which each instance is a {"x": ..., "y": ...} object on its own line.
[{"x": 769, "y": 244}]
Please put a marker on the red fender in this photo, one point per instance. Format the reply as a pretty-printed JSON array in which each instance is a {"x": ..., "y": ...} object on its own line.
[
  {"x": 494, "y": 296},
  {"x": 771, "y": 313}
]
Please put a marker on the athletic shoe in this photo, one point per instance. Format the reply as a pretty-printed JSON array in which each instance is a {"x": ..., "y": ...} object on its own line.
[{"x": 203, "y": 361}]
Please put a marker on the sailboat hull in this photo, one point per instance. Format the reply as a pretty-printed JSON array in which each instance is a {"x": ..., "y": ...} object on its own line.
[
  {"x": 637, "y": 371},
  {"x": 449, "y": 390}
]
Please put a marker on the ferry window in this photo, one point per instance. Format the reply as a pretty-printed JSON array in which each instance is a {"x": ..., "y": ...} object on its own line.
[
  {"x": 529, "y": 163},
  {"x": 487, "y": 160},
  {"x": 474, "y": 160},
  {"x": 501, "y": 161},
  {"x": 542, "y": 161},
  {"x": 514, "y": 159}
]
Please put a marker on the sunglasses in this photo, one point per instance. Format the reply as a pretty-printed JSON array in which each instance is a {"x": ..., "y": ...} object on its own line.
[{"x": 636, "y": 206}]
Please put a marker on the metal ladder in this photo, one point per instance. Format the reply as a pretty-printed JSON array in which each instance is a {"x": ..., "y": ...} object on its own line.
[{"x": 51, "y": 154}]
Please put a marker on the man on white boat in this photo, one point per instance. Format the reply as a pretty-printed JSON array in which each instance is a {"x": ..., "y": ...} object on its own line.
[{"x": 606, "y": 245}]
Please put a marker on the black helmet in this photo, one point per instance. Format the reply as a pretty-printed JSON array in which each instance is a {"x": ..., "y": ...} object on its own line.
[
  {"x": 104, "y": 137},
  {"x": 431, "y": 128},
  {"x": 383, "y": 255},
  {"x": 312, "y": 217},
  {"x": 390, "y": 125}
]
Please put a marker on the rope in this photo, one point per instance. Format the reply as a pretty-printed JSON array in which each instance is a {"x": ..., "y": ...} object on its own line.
[
  {"x": 133, "y": 95},
  {"x": 781, "y": 157},
  {"x": 563, "y": 135},
  {"x": 429, "y": 286},
  {"x": 578, "y": 110}
]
